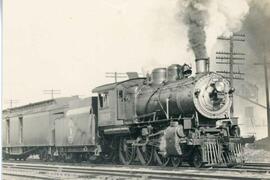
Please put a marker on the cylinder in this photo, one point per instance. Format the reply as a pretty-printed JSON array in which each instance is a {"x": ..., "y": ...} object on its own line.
[
  {"x": 202, "y": 65},
  {"x": 173, "y": 140}
]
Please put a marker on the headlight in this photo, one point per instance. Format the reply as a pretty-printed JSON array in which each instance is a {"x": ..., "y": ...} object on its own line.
[{"x": 220, "y": 86}]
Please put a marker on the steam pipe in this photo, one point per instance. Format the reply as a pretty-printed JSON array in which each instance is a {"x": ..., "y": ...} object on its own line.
[
  {"x": 167, "y": 108},
  {"x": 202, "y": 65}
]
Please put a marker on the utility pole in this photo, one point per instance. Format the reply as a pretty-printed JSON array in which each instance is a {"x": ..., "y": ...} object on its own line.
[
  {"x": 115, "y": 75},
  {"x": 231, "y": 58},
  {"x": 11, "y": 102},
  {"x": 52, "y": 92},
  {"x": 265, "y": 64}
]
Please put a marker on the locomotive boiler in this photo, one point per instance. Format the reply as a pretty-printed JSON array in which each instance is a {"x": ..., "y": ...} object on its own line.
[{"x": 208, "y": 94}]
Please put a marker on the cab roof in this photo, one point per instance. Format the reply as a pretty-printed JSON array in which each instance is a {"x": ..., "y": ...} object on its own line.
[{"x": 111, "y": 86}]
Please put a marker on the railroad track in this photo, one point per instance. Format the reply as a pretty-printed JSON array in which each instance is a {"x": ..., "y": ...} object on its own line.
[
  {"x": 56, "y": 171},
  {"x": 258, "y": 164}
]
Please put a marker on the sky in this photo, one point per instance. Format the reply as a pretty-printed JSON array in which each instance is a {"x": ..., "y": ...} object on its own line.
[{"x": 69, "y": 45}]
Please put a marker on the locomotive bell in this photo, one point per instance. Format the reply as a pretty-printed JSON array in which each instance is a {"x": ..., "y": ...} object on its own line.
[{"x": 159, "y": 75}]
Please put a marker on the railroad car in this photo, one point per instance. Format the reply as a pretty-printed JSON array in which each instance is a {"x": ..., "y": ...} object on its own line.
[
  {"x": 51, "y": 129},
  {"x": 168, "y": 117}
]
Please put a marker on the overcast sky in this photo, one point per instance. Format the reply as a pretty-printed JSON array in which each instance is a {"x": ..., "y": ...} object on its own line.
[{"x": 68, "y": 45}]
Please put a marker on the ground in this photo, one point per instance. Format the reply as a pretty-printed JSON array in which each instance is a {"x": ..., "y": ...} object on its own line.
[{"x": 259, "y": 151}]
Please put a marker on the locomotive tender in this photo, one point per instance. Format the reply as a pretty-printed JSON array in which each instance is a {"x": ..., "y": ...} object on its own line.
[{"x": 168, "y": 117}]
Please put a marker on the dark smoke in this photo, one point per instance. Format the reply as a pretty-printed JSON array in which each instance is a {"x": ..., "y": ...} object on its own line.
[
  {"x": 195, "y": 17},
  {"x": 257, "y": 30},
  {"x": 208, "y": 19},
  {"x": 257, "y": 26}
]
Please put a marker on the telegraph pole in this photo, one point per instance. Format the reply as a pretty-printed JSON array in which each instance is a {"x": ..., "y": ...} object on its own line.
[
  {"x": 115, "y": 75},
  {"x": 52, "y": 92},
  {"x": 265, "y": 64},
  {"x": 231, "y": 58},
  {"x": 12, "y": 102}
]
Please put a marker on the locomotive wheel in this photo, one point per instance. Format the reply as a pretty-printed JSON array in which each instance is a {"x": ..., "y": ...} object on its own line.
[
  {"x": 176, "y": 161},
  {"x": 196, "y": 159},
  {"x": 72, "y": 158},
  {"x": 77, "y": 158},
  {"x": 46, "y": 156},
  {"x": 161, "y": 160},
  {"x": 5, "y": 156},
  {"x": 126, "y": 152},
  {"x": 60, "y": 157},
  {"x": 145, "y": 154},
  {"x": 109, "y": 148},
  {"x": 67, "y": 157},
  {"x": 95, "y": 159},
  {"x": 107, "y": 156},
  {"x": 42, "y": 155},
  {"x": 49, "y": 158},
  {"x": 23, "y": 158}
]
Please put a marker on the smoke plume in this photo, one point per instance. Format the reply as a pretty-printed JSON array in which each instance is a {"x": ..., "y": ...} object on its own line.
[
  {"x": 257, "y": 30},
  {"x": 208, "y": 19},
  {"x": 257, "y": 26}
]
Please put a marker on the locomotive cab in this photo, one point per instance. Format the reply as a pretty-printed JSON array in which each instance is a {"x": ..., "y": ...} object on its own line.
[{"x": 116, "y": 102}]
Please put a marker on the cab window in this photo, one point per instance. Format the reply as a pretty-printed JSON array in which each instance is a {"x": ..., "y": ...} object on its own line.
[
  {"x": 121, "y": 95},
  {"x": 103, "y": 100}
]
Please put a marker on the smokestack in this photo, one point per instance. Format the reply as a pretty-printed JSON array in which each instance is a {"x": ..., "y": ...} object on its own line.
[
  {"x": 202, "y": 65},
  {"x": 208, "y": 19}
]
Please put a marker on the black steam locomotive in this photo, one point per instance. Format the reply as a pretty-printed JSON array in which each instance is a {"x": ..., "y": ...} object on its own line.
[{"x": 168, "y": 117}]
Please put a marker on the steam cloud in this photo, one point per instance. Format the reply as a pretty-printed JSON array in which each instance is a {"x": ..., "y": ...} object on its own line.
[
  {"x": 208, "y": 19},
  {"x": 257, "y": 26},
  {"x": 257, "y": 30}
]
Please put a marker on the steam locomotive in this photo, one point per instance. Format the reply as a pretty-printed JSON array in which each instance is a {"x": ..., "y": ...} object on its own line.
[{"x": 168, "y": 117}]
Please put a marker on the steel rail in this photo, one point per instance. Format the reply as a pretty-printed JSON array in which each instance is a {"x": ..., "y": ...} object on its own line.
[
  {"x": 258, "y": 164},
  {"x": 250, "y": 169},
  {"x": 135, "y": 173},
  {"x": 254, "y": 165}
]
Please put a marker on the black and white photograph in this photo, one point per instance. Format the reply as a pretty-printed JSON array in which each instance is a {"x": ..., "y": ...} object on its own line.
[{"x": 133, "y": 89}]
